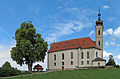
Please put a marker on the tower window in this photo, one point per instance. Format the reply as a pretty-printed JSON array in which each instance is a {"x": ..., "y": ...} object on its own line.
[
  {"x": 87, "y": 54},
  {"x": 99, "y": 43},
  {"x": 54, "y": 57},
  {"x": 62, "y": 56},
  {"x": 96, "y": 54},
  {"x": 82, "y": 55},
  {"x": 62, "y": 63},
  {"x": 54, "y": 63},
  {"x": 71, "y": 55},
  {"x": 98, "y": 32}
]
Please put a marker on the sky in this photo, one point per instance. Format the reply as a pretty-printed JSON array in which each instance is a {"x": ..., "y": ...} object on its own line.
[{"x": 59, "y": 20}]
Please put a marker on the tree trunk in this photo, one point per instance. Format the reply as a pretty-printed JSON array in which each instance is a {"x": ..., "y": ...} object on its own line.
[{"x": 30, "y": 67}]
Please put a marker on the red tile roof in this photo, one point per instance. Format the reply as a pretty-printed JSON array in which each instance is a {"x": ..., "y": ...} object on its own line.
[{"x": 73, "y": 43}]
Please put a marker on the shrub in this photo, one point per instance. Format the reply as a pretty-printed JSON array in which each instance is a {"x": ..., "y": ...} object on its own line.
[
  {"x": 102, "y": 67},
  {"x": 117, "y": 66},
  {"x": 4, "y": 72}
]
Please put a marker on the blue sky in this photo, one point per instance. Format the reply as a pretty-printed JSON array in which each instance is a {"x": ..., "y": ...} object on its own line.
[{"x": 60, "y": 20}]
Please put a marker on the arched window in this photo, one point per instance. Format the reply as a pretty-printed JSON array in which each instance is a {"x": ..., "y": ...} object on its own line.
[
  {"x": 98, "y": 64},
  {"x": 71, "y": 62},
  {"x": 96, "y": 54},
  {"x": 54, "y": 57},
  {"x": 54, "y": 63},
  {"x": 88, "y": 63},
  {"x": 87, "y": 54},
  {"x": 99, "y": 43},
  {"x": 98, "y": 32},
  {"x": 82, "y": 62},
  {"x": 71, "y": 55},
  {"x": 62, "y": 63},
  {"x": 62, "y": 56},
  {"x": 82, "y": 55}
]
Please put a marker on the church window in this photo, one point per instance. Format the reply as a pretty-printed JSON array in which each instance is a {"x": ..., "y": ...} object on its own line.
[
  {"x": 72, "y": 44},
  {"x": 54, "y": 57},
  {"x": 82, "y": 55},
  {"x": 71, "y": 55},
  {"x": 82, "y": 44},
  {"x": 88, "y": 62},
  {"x": 87, "y": 54},
  {"x": 66, "y": 42},
  {"x": 82, "y": 62},
  {"x": 62, "y": 56},
  {"x": 98, "y": 64},
  {"x": 83, "y": 40},
  {"x": 98, "y": 32},
  {"x": 64, "y": 46},
  {"x": 54, "y": 63},
  {"x": 71, "y": 62},
  {"x": 99, "y": 43},
  {"x": 96, "y": 54},
  {"x": 62, "y": 63}
]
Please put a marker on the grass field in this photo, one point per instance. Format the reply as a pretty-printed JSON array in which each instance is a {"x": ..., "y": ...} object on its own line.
[{"x": 76, "y": 74}]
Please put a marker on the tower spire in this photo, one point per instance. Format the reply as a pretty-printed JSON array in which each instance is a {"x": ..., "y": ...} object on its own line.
[
  {"x": 99, "y": 21},
  {"x": 99, "y": 15}
]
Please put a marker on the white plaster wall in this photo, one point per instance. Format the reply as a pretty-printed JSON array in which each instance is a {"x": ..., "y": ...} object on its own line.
[
  {"x": 95, "y": 63},
  {"x": 76, "y": 58},
  {"x": 92, "y": 55},
  {"x": 67, "y": 59}
]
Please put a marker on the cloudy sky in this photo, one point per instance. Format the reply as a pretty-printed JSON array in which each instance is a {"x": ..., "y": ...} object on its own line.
[{"x": 58, "y": 20}]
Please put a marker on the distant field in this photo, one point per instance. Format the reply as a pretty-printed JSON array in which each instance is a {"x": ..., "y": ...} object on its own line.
[{"x": 76, "y": 74}]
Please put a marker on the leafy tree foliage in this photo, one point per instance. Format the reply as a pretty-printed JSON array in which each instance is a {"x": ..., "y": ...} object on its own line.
[
  {"x": 30, "y": 47},
  {"x": 6, "y": 65},
  {"x": 111, "y": 61},
  {"x": 7, "y": 70}
]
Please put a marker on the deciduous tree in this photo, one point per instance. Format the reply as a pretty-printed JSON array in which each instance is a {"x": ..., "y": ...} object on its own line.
[{"x": 30, "y": 46}]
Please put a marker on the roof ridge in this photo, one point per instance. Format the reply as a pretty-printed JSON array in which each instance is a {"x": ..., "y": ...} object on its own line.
[{"x": 72, "y": 39}]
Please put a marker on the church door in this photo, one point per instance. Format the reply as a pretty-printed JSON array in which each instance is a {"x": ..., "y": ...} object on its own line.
[{"x": 62, "y": 67}]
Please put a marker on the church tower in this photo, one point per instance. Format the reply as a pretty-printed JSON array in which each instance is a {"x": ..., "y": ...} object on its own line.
[{"x": 99, "y": 33}]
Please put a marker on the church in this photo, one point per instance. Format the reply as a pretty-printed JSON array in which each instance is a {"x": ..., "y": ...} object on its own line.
[{"x": 78, "y": 53}]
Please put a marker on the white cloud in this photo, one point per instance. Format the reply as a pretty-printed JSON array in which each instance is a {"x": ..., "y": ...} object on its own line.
[
  {"x": 118, "y": 57},
  {"x": 65, "y": 26},
  {"x": 108, "y": 31},
  {"x": 117, "y": 32},
  {"x": 111, "y": 43},
  {"x": 106, "y": 54},
  {"x": 50, "y": 39},
  {"x": 92, "y": 32},
  {"x": 106, "y": 6},
  {"x": 106, "y": 43}
]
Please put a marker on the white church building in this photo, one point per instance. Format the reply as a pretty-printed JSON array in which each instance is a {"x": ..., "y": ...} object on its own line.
[{"x": 77, "y": 53}]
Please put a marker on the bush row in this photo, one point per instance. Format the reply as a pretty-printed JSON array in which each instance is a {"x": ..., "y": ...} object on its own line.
[{"x": 5, "y": 72}]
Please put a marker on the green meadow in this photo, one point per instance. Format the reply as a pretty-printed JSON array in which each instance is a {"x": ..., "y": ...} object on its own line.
[{"x": 74, "y": 74}]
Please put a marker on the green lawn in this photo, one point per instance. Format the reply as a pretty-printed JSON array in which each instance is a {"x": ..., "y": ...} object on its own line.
[{"x": 76, "y": 74}]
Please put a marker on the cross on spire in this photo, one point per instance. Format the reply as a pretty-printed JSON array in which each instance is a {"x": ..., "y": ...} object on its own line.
[{"x": 99, "y": 15}]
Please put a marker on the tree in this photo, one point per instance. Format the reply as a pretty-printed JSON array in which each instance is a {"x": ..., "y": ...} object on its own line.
[
  {"x": 111, "y": 61},
  {"x": 6, "y": 65},
  {"x": 30, "y": 47}
]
